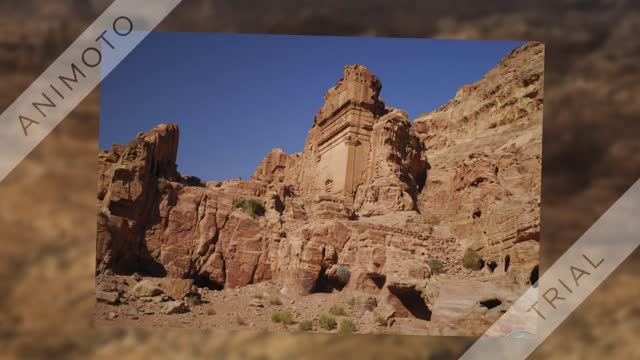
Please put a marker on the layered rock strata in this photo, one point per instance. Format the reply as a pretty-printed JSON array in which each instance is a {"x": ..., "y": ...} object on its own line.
[{"x": 360, "y": 209}]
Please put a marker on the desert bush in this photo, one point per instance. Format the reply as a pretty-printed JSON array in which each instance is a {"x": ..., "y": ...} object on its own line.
[
  {"x": 284, "y": 317},
  {"x": 193, "y": 300},
  {"x": 305, "y": 325},
  {"x": 472, "y": 260},
  {"x": 343, "y": 274},
  {"x": 337, "y": 311},
  {"x": 253, "y": 207},
  {"x": 275, "y": 301},
  {"x": 163, "y": 185},
  {"x": 259, "y": 296},
  {"x": 240, "y": 321},
  {"x": 436, "y": 266},
  {"x": 380, "y": 320},
  {"x": 351, "y": 301},
  {"x": 327, "y": 322},
  {"x": 239, "y": 203},
  {"x": 346, "y": 326},
  {"x": 211, "y": 312}
]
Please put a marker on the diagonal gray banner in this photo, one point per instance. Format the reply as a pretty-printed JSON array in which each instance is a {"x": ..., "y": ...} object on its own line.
[
  {"x": 49, "y": 99},
  {"x": 563, "y": 287}
]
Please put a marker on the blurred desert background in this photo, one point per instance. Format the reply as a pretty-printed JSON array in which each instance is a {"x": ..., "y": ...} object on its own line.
[{"x": 591, "y": 155}]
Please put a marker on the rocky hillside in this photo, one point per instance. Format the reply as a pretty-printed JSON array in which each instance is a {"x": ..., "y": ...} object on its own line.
[
  {"x": 485, "y": 151},
  {"x": 410, "y": 215}
]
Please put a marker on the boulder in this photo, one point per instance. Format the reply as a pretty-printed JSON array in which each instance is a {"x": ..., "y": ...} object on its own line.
[
  {"x": 384, "y": 311},
  {"x": 146, "y": 288},
  {"x": 107, "y": 297},
  {"x": 459, "y": 299},
  {"x": 174, "y": 307},
  {"x": 176, "y": 289}
]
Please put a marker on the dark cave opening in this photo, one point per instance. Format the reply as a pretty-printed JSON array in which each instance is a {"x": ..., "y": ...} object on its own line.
[
  {"x": 477, "y": 214},
  {"x": 378, "y": 280},
  {"x": 533, "y": 278},
  {"x": 492, "y": 265},
  {"x": 203, "y": 281},
  {"x": 326, "y": 284},
  {"x": 507, "y": 262},
  {"x": 422, "y": 179},
  {"x": 412, "y": 301},
  {"x": 491, "y": 303},
  {"x": 150, "y": 266}
]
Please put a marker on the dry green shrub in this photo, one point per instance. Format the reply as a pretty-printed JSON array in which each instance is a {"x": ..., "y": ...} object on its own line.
[
  {"x": 472, "y": 260},
  {"x": 337, "y": 310},
  {"x": 327, "y": 322},
  {"x": 275, "y": 301},
  {"x": 284, "y": 317},
  {"x": 305, "y": 325},
  {"x": 346, "y": 326},
  {"x": 253, "y": 207},
  {"x": 380, "y": 320},
  {"x": 436, "y": 266}
]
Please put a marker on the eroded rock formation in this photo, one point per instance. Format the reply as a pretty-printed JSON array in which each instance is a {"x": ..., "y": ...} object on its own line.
[
  {"x": 360, "y": 209},
  {"x": 485, "y": 150}
]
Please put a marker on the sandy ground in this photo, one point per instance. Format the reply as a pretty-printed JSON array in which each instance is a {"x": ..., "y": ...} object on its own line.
[{"x": 250, "y": 308}]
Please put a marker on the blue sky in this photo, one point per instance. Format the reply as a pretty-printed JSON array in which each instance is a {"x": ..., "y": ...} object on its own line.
[{"x": 237, "y": 96}]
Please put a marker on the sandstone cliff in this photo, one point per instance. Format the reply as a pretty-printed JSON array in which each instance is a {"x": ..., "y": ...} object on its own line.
[
  {"x": 485, "y": 152},
  {"x": 374, "y": 204},
  {"x": 358, "y": 153}
]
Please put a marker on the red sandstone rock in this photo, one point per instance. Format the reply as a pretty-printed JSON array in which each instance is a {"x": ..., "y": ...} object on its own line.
[
  {"x": 360, "y": 202},
  {"x": 176, "y": 289},
  {"x": 485, "y": 157}
]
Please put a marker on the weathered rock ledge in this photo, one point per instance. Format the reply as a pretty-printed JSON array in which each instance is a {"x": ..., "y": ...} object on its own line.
[{"x": 359, "y": 210}]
